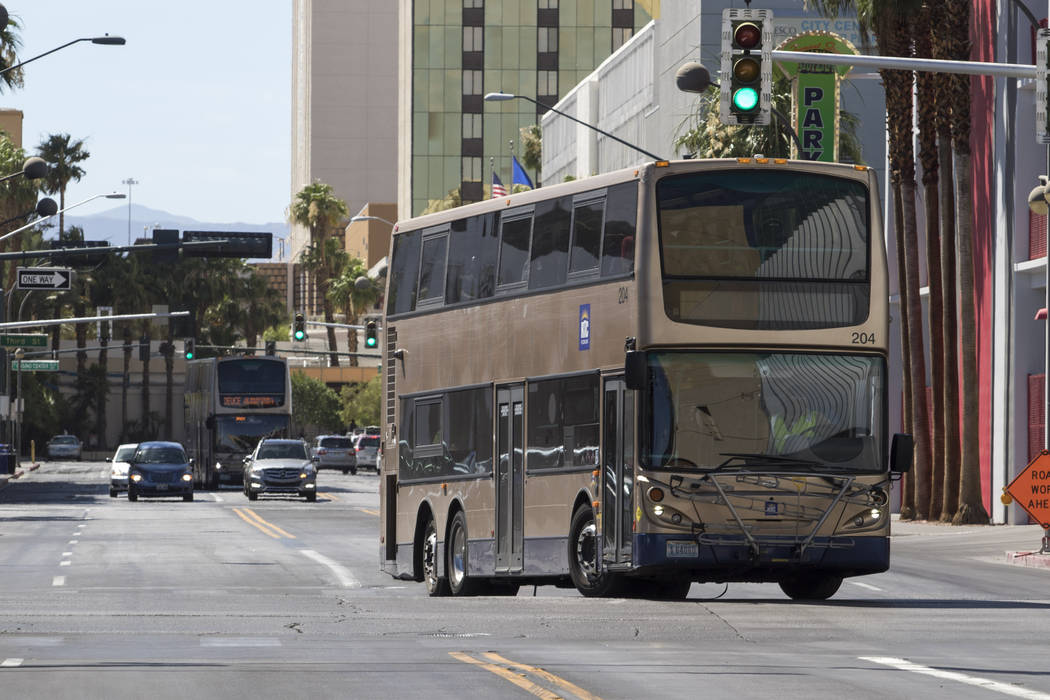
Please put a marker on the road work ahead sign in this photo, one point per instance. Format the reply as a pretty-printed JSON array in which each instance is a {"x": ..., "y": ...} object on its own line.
[{"x": 1031, "y": 489}]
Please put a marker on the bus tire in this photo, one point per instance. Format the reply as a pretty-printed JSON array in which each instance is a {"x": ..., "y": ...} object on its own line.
[
  {"x": 584, "y": 548},
  {"x": 810, "y": 586},
  {"x": 436, "y": 585},
  {"x": 460, "y": 583}
]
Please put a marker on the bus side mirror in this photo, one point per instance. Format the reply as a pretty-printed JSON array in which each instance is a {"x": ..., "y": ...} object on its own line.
[
  {"x": 901, "y": 452},
  {"x": 636, "y": 368}
]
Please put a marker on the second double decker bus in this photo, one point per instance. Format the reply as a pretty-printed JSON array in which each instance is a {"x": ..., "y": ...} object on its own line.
[
  {"x": 231, "y": 403},
  {"x": 631, "y": 382}
]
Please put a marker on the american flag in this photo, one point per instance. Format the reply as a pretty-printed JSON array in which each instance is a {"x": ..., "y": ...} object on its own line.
[{"x": 498, "y": 190}]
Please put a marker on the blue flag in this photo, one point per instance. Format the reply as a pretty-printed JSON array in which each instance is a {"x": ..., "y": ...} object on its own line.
[{"x": 520, "y": 176}]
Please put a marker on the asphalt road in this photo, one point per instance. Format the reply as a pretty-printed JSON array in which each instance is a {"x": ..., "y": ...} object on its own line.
[{"x": 280, "y": 598}]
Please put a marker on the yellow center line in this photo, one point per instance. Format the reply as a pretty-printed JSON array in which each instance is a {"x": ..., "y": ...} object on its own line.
[
  {"x": 254, "y": 524},
  {"x": 370, "y": 512},
  {"x": 515, "y": 678},
  {"x": 256, "y": 517},
  {"x": 329, "y": 496},
  {"x": 546, "y": 675}
]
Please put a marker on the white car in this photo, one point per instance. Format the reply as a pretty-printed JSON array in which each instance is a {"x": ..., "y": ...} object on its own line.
[{"x": 118, "y": 471}]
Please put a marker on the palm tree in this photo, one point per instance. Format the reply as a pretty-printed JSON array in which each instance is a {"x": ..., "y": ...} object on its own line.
[
  {"x": 63, "y": 154},
  {"x": 17, "y": 196},
  {"x": 10, "y": 43},
  {"x": 317, "y": 208},
  {"x": 353, "y": 300},
  {"x": 926, "y": 104},
  {"x": 263, "y": 304},
  {"x": 971, "y": 507}
]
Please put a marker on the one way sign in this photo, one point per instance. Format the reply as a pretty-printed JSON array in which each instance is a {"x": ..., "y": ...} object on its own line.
[{"x": 44, "y": 278}]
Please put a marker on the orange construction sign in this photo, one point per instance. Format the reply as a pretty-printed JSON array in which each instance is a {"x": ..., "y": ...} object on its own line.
[{"x": 1031, "y": 489}]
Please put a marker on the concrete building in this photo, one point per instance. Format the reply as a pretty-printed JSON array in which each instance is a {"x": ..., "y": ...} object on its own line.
[
  {"x": 453, "y": 52},
  {"x": 11, "y": 124},
  {"x": 344, "y": 102},
  {"x": 369, "y": 240}
]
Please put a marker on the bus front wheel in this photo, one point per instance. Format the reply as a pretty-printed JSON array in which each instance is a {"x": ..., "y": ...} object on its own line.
[
  {"x": 436, "y": 585},
  {"x": 584, "y": 550},
  {"x": 810, "y": 586}
]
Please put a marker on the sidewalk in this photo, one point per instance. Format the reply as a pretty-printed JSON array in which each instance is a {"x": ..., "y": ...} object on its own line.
[
  {"x": 1013, "y": 544},
  {"x": 19, "y": 473}
]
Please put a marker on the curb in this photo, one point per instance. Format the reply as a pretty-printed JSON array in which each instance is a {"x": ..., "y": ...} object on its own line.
[{"x": 1033, "y": 560}]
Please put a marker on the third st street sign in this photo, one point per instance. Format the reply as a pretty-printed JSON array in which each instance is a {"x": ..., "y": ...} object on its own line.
[{"x": 44, "y": 278}]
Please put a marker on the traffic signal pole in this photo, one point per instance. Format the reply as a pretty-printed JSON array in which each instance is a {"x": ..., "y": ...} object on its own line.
[{"x": 995, "y": 70}]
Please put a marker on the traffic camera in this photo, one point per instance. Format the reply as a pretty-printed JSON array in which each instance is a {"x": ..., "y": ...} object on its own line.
[
  {"x": 746, "y": 74},
  {"x": 371, "y": 335},
  {"x": 299, "y": 327}
]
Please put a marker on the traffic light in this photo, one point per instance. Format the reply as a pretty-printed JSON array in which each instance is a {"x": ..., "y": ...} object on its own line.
[
  {"x": 189, "y": 351},
  {"x": 1042, "y": 88},
  {"x": 371, "y": 335},
  {"x": 746, "y": 74},
  {"x": 299, "y": 327},
  {"x": 143, "y": 349},
  {"x": 271, "y": 347}
]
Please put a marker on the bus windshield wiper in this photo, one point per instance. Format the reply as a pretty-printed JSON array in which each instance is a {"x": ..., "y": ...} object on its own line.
[{"x": 757, "y": 459}]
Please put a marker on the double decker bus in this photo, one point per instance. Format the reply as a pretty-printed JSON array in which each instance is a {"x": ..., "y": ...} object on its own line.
[
  {"x": 231, "y": 403},
  {"x": 669, "y": 374}
]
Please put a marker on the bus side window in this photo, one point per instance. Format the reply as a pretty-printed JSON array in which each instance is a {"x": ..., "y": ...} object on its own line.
[
  {"x": 621, "y": 214},
  {"x": 550, "y": 243},
  {"x": 586, "y": 236},
  {"x": 515, "y": 237},
  {"x": 404, "y": 273}
]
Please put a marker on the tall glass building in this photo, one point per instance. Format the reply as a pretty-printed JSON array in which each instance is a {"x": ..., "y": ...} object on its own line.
[{"x": 455, "y": 51}]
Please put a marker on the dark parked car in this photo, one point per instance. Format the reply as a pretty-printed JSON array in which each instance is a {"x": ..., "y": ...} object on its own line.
[
  {"x": 335, "y": 452},
  {"x": 160, "y": 469},
  {"x": 280, "y": 466}
]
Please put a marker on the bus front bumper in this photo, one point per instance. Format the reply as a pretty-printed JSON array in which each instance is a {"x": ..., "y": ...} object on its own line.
[{"x": 734, "y": 559}]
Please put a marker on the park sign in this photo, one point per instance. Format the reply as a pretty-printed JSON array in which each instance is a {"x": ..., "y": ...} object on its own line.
[
  {"x": 34, "y": 365},
  {"x": 815, "y": 94},
  {"x": 44, "y": 278},
  {"x": 23, "y": 340},
  {"x": 1031, "y": 489}
]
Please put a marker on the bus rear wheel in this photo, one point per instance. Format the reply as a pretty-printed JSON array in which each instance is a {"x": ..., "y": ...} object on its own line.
[
  {"x": 810, "y": 586},
  {"x": 460, "y": 583},
  {"x": 436, "y": 585},
  {"x": 584, "y": 550}
]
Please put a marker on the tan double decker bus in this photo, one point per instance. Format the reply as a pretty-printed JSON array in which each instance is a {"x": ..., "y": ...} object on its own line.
[{"x": 638, "y": 380}]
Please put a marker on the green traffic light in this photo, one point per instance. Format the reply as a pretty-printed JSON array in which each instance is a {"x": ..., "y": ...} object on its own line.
[
  {"x": 370, "y": 342},
  {"x": 299, "y": 335},
  {"x": 745, "y": 99},
  {"x": 189, "y": 356}
]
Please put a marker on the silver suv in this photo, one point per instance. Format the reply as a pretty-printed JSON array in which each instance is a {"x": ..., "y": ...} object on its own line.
[
  {"x": 368, "y": 451},
  {"x": 335, "y": 452}
]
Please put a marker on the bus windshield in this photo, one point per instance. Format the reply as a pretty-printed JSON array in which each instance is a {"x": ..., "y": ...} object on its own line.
[
  {"x": 765, "y": 410},
  {"x": 764, "y": 249},
  {"x": 242, "y": 433}
]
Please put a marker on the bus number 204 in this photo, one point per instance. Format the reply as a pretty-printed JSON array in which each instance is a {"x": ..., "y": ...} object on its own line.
[{"x": 860, "y": 338}]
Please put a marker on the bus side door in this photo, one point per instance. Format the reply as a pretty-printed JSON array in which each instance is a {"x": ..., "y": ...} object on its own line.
[
  {"x": 510, "y": 478},
  {"x": 617, "y": 472}
]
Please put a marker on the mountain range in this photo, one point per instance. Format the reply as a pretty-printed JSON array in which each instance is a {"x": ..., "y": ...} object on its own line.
[{"x": 113, "y": 226}]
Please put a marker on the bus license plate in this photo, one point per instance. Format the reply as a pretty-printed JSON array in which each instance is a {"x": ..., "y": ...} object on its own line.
[{"x": 676, "y": 549}]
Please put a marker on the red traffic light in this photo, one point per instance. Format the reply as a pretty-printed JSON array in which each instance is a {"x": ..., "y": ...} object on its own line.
[{"x": 747, "y": 35}]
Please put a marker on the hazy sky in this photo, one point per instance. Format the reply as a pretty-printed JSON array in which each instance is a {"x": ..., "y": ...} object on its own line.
[{"x": 195, "y": 106}]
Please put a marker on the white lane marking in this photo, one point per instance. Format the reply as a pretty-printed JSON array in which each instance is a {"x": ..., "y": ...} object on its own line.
[
  {"x": 74, "y": 541},
  {"x": 996, "y": 686},
  {"x": 65, "y": 562},
  {"x": 58, "y": 581},
  {"x": 865, "y": 585},
  {"x": 346, "y": 579},
  {"x": 218, "y": 498},
  {"x": 67, "y": 554},
  {"x": 10, "y": 663},
  {"x": 240, "y": 642}
]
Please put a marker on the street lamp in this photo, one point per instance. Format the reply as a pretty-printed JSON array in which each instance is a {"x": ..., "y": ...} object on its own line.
[
  {"x": 359, "y": 217},
  {"x": 34, "y": 168},
  {"x": 504, "y": 96},
  {"x": 44, "y": 208},
  {"x": 105, "y": 40},
  {"x": 31, "y": 224},
  {"x": 129, "y": 182}
]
